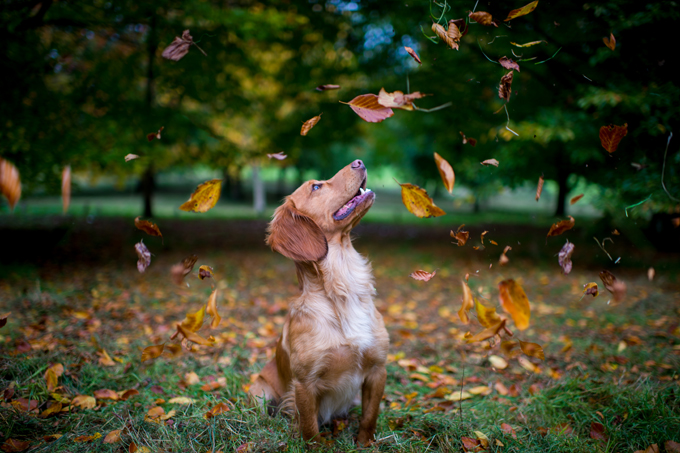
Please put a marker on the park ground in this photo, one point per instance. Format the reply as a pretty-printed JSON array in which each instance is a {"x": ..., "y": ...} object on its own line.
[{"x": 609, "y": 380}]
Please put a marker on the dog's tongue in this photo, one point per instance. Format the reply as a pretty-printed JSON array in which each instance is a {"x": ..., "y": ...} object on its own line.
[
  {"x": 350, "y": 205},
  {"x": 342, "y": 211}
]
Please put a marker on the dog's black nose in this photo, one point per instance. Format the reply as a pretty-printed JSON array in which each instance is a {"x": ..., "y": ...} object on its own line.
[{"x": 358, "y": 164}]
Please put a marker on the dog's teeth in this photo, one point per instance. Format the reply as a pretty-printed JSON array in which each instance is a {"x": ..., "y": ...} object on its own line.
[
  {"x": 368, "y": 190},
  {"x": 361, "y": 190}
]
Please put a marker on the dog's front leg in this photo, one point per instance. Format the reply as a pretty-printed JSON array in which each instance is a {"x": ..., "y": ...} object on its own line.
[
  {"x": 308, "y": 411},
  {"x": 371, "y": 395}
]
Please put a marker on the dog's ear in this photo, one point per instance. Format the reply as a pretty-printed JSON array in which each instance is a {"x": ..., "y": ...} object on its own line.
[{"x": 295, "y": 235}]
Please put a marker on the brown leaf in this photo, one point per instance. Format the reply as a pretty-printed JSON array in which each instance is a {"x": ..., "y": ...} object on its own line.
[
  {"x": 181, "y": 270},
  {"x": 488, "y": 332},
  {"x": 539, "y": 189},
  {"x": 524, "y": 10},
  {"x": 153, "y": 135},
  {"x": 610, "y": 42},
  {"x": 470, "y": 444},
  {"x": 413, "y": 54},
  {"x": 418, "y": 202},
  {"x": 309, "y": 124},
  {"x": 144, "y": 256},
  {"x": 503, "y": 260},
  {"x": 113, "y": 437},
  {"x": 149, "y": 228},
  {"x": 66, "y": 188},
  {"x": 327, "y": 87},
  {"x": 84, "y": 402},
  {"x": 613, "y": 285},
  {"x": 12, "y": 445},
  {"x": 597, "y": 432},
  {"x": 468, "y": 303},
  {"x": 654, "y": 448},
  {"x": 211, "y": 309},
  {"x": 672, "y": 447},
  {"x": 505, "y": 87},
  {"x": 445, "y": 171},
  {"x": 83, "y": 439},
  {"x": 130, "y": 157},
  {"x": 483, "y": 18},
  {"x": 398, "y": 100},
  {"x": 560, "y": 227},
  {"x": 369, "y": 109},
  {"x": 3, "y": 319},
  {"x": 488, "y": 162},
  {"x": 507, "y": 63},
  {"x": 422, "y": 275},
  {"x": 204, "y": 197},
  {"x": 507, "y": 429},
  {"x": 486, "y": 316},
  {"x": 54, "y": 408},
  {"x": 219, "y": 408},
  {"x": 564, "y": 257},
  {"x": 515, "y": 302},
  {"x": 196, "y": 338},
  {"x": 460, "y": 235},
  {"x": 277, "y": 156},
  {"x": 180, "y": 47},
  {"x": 590, "y": 288},
  {"x": 127, "y": 394},
  {"x": 106, "y": 394},
  {"x": 10, "y": 183},
  {"x": 472, "y": 141},
  {"x": 575, "y": 199},
  {"x": 532, "y": 349},
  {"x": 451, "y": 36},
  {"x": 610, "y": 136},
  {"x": 205, "y": 272},
  {"x": 152, "y": 352}
]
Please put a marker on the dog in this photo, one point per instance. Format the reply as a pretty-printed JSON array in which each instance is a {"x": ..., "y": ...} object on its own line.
[{"x": 333, "y": 347}]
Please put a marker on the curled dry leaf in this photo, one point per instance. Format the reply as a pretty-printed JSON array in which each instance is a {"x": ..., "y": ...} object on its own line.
[
  {"x": 144, "y": 256},
  {"x": 218, "y": 409},
  {"x": 560, "y": 227},
  {"x": 205, "y": 272},
  {"x": 523, "y": 11},
  {"x": 539, "y": 189},
  {"x": 575, "y": 199},
  {"x": 468, "y": 303},
  {"x": 503, "y": 260},
  {"x": 445, "y": 171},
  {"x": 193, "y": 321},
  {"x": 369, "y": 109},
  {"x": 277, "y": 156},
  {"x": 515, "y": 302},
  {"x": 451, "y": 36},
  {"x": 610, "y": 136},
  {"x": 398, "y": 100},
  {"x": 488, "y": 332},
  {"x": 505, "y": 87},
  {"x": 564, "y": 257},
  {"x": 181, "y": 270},
  {"x": 153, "y": 135},
  {"x": 481, "y": 237},
  {"x": 149, "y": 228},
  {"x": 486, "y": 316},
  {"x": 327, "y": 87},
  {"x": 460, "y": 235},
  {"x": 413, "y": 54},
  {"x": 529, "y": 44},
  {"x": 471, "y": 141},
  {"x": 113, "y": 437},
  {"x": 130, "y": 157},
  {"x": 613, "y": 285},
  {"x": 196, "y": 338},
  {"x": 66, "y": 188},
  {"x": 10, "y": 183},
  {"x": 422, "y": 275},
  {"x": 152, "y": 352},
  {"x": 483, "y": 18},
  {"x": 488, "y": 162},
  {"x": 204, "y": 197},
  {"x": 309, "y": 124},
  {"x": 610, "y": 42},
  {"x": 418, "y": 202},
  {"x": 211, "y": 309},
  {"x": 180, "y": 47},
  {"x": 532, "y": 349},
  {"x": 507, "y": 63},
  {"x": 590, "y": 288}
]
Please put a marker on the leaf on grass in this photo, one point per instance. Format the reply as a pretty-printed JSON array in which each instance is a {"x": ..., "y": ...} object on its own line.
[
  {"x": 205, "y": 272},
  {"x": 149, "y": 228},
  {"x": 523, "y": 11},
  {"x": 84, "y": 402},
  {"x": 152, "y": 352},
  {"x": 66, "y": 188},
  {"x": 309, "y": 124},
  {"x": 194, "y": 337},
  {"x": 488, "y": 332},
  {"x": 181, "y": 400},
  {"x": 219, "y": 408},
  {"x": 180, "y": 47},
  {"x": 458, "y": 396},
  {"x": 10, "y": 183},
  {"x": 483, "y": 18},
  {"x": 515, "y": 302},
  {"x": 194, "y": 321},
  {"x": 560, "y": 227},
  {"x": 532, "y": 349},
  {"x": 156, "y": 135},
  {"x": 486, "y": 316},
  {"x": 507, "y": 429},
  {"x": 130, "y": 157},
  {"x": 470, "y": 444},
  {"x": 127, "y": 394},
  {"x": 575, "y": 199},
  {"x": 498, "y": 362},
  {"x": 84, "y": 439},
  {"x": 113, "y": 437},
  {"x": 180, "y": 270},
  {"x": 52, "y": 376},
  {"x": 610, "y": 136},
  {"x": 144, "y": 256},
  {"x": 445, "y": 171},
  {"x": 413, "y": 54},
  {"x": 564, "y": 257},
  {"x": 597, "y": 432},
  {"x": 610, "y": 42},
  {"x": 471, "y": 141},
  {"x": 468, "y": 303},
  {"x": 590, "y": 288},
  {"x": 13, "y": 445},
  {"x": 105, "y": 359},
  {"x": 529, "y": 44},
  {"x": 539, "y": 189},
  {"x": 211, "y": 309},
  {"x": 488, "y": 162},
  {"x": 672, "y": 447},
  {"x": 369, "y": 109},
  {"x": 398, "y": 100},
  {"x": 507, "y": 63},
  {"x": 654, "y": 448},
  {"x": 422, "y": 275},
  {"x": 54, "y": 408},
  {"x": 460, "y": 235},
  {"x": 505, "y": 87},
  {"x": 503, "y": 260},
  {"x": 204, "y": 197},
  {"x": 106, "y": 394},
  {"x": 418, "y": 202},
  {"x": 277, "y": 156}
]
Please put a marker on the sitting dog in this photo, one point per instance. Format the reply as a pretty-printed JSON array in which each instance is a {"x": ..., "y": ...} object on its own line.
[{"x": 334, "y": 344}]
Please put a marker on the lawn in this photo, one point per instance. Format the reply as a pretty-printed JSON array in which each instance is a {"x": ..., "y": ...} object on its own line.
[{"x": 609, "y": 380}]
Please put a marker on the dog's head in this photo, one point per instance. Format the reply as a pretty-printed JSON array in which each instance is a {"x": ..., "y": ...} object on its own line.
[{"x": 319, "y": 211}]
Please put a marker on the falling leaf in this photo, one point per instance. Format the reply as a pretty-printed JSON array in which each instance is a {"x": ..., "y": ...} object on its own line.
[
  {"x": 560, "y": 227},
  {"x": 309, "y": 124},
  {"x": 498, "y": 362},
  {"x": 446, "y": 172},
  {"x": 486, "y": 316},
  {"x": 529, "y": 44},
  {"x": 638, "y": 167},
  {"x": 10, "y": 183},
  {"x": 460, "y": 235},
  {"x": 422, "y": 275},
  {"x": 488, "y": 332},
  {"x": 130, "y": 157},
  {"x": 144, "y": 256},
  {"x": 611, "y": 135},
  {"x": 483, "y": 18},
  {"x": 488, "y": 162},
  {"x": 180, "y": 47},
  {"x": 106, "y": 394},
  {"x": 503, "y": 260},
  {"x": 481, "y": 238},
  {"x": 369, "y": 109},
  {"x": 13, "y": 445},
  {"x": 590, "y": 288},
  {"x": 182, "y": 400},
  {"x": 610, "y": 42},
  {"x": 194, "y": 337},
  {"x": 451, "y": 36},
  {"x": 194, "y": 321},
  {"x": 505, "y": 87},
  {"x": 532, "y": 349},
  {"x": 219, "y": 408},
  {"x": 597, "y": 432},
  {"x": 539, "y": 189},
  {"x": 113, "y": 437},
  {"x": 204, "y": 197},
  {"x": 152, "y": 352},
  {"x": 613, "y": 285},
  {"x": 575, "y": 199},
  {"x": 515, "y": 302},
  {"x": 398, "y": 100},
  {"x": 3, "y": 319},
  {"x": 277, "y": 156},
  {"x": 468, "y": 303},
  {"x": 507, "y": 63},
  {"x": 211, "y": 309},
  {"x": 180, "y": 270},
  {"x": 616, "y": 232},
  {"x": 524, "y": 10},
  {"x": 153, "y": 135},
  {"x": 650, "y": 277},
  {"x": 413, "y": 54},
  {"x": 205, "y": 272},
  {"x": 66, "y": 188},
  {"x": 461, "y": 25},
  {"x": 418, "y": 202},
  {"x": 564, "y": 257},
  {"x": 471, "y": 141},
  {"x": 327, "y": 87},
  {"x": 148, "y": 227}
]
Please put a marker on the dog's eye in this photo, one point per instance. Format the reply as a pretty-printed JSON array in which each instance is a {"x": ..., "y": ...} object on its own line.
[{"x": 316, "y": 187}]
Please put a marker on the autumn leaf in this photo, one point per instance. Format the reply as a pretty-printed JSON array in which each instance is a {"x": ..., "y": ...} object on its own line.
[
  {"x": 413, "y": 54},
  {"x": 610, "y": 136},
  {"x": 192, "y": 336},
  {"x": 590, "y": 288},
  {"x": 277, "y": 156},
  {"x": 52, "y": 376},
  {"x": 575, "y": 199},
  {"x": 613, "y": 285},
  {"x": 369, "y": 109},
  {"x": 84, "y": 402},
  {"x": 445, "y": 171},
  {"x": 422, "y": 275},
  {"x": 204, "y": 197},
  {"x": 488, "y": 162},
  {"x": 144, "y": 256},
  {"x": 106, "y": 394},
  {"x": 148, "y": 227},
  {"x": 194, "y": 321},
  {"x": 471, "y": 141},
  {"x": 113, "y": 437},
  {"x": 180, "y": 47},
  {"x": 460, "y": 235},
  {"x": 10, "y": 183},
  {"x": 505, "y": 87},
  {"x": 327, "y": 87},
  {"x": 309, "y": 124},
  {"x": 153, "y": 135},
  {"x": 3, "y": 319},
  {"x": 610, "y": 42},
  {"x": 597, "y": 432},
  {"x": 211, "y": 309},
  {"x": 515, "y": 302},
  {"x": 482, "y": 18},
  {"x": 468, "y": 303},
  {"x": 182, "y": 400},
  {"x": 205, "y": 272},
  {"x": 503, "y": 260},
  {"x": 130, "y": 157},
  {"x": 560, "y": 227},
  {"x": 66, "y": 188},
  {"x": 539, "y": 188},
  {"x": 451, "y": 36},
  {"x": 523, "y": 11},
  {"x": 488, "y": 332},
  {"x": 83, "y": 439},
  {"x": 54, "y": 408},
  {"x": 13, "y": 445},
  {"x": 532, "y": 349},
  {"x": 180, "y": 270},
  {"x": 529, "y": 44},
  {"x": 486, "y": 316},
  {"x": 219, "y": 408},
  {"x": 398, "y": 100},
  {"x": 507, "y": 63},
  {"x": 127, "y": 394},
  {"x": 672, "y": 447},
  {"x": 564, "y": 257},
  {"x": 152, "y": 352},
  {"x": 418, "y": 202}
]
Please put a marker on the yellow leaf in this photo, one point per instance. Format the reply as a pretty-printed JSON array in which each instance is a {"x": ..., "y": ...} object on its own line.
[
  {"x": 532, "y": 349},
  {"x": 204, "y": 197},
  {"x": 480, "y": 390},
  {"x": 458, "y": 396},
  {"x": 152, "y": 352},
  {"x": 105, "y": 359},
  {"x": 84, "y": 401},
  {"x": 515, "y": 302},
  {"x": 486, "y": 316},
  {"x": 54, "y": 408},
  {"x": 196, "y": 338},
  {"x": 523, "y": 11},
  {"x": 529, "y": 44},
  {"x": 219, "y": 408},
  {"x": 418, "y": 202},
  {"x": 51, "y": 379},
  {"x": 498, "y": 362},
  {"x": 445, "y": 171},
  {"x": 488, "y": 332},
  {"x": 211, "y": 309},
  {"x": 309, "y": 124},
  {"x": 10, "y": 183},
  {"x": 182, "y": 400},
  {"x": 591, "y": 288},
  {"x": 468, "y": 303},
  {"x": 113, "y": 436},
  {"x": 205, "y": 272},
  {"x": 194, "y": 321},
  {"x": 169, "y": 415}
]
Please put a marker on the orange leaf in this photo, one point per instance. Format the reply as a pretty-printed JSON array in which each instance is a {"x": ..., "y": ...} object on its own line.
[
  {"x": 564, "y": 225},
  {"x": 532, "y": 349},
  {"x": 483, "y": 18},
  {"x": 81, "y": 439},
  {"x": 488, "y": 332},
  {"x": 192, "y": 336},
  {"x": 515, "y": 302},
  {"x": 488, "y": 162},
  {"x": 486, "y": 316},
  {"x": 611, "y": 135},
  {"x": 398, "y": 100},
  {"x": 10, "y": 183},
  {"x": 461, "y": 236},
  {"x": 505, "y": 87},
  {"x": 418, "y": 202},
  {"x": 468, "y": 303},
  {"x": 211, "y": 309},
  {"x": 106, "y": 394},
  {"x": 218, "y": 409},
  {"x": 422, "y": 275},
  {"x": 610, "y": 42},
  {"x": 539, "y": 189},
  {"x": 149, "y": 228},
  {"x": 84, "y": 401},
  {"x": 369, "y": 109},
  {"x": 66, "y": 187},
  {"x": 575, "y": 199},
  {"x": 523, "y": 11},
  {"x": 51, "y": 379},
  {"x": 204, "y": 197},
  {"x": 54, "y": 408},
  {"x": 12, "y": 445},
  {"x": 152, "y": 352},
  {"x": 309, "y": 124},
  {"x": 127, "y": 394},
  {"x": 413, "y": 54},
  {"x": 445, "y": 171}
]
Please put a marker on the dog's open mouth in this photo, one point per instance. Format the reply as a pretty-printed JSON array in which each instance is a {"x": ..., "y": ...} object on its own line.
[{"x": 349, "y": 207}]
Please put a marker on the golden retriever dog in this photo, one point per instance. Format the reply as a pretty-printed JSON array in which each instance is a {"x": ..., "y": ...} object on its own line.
[{"x": 334, "y": 344}]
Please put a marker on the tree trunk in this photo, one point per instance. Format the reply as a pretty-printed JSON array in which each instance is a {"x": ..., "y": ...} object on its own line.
[
  {"x": 259, "y": 201},
  {"x": 147, "y": 186}
]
